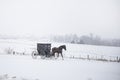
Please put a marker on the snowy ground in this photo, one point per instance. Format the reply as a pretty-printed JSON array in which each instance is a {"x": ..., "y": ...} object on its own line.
[
  {"x": 23, "y": 67},
  {"x": 32, "y": 69},
  {"x": 72, "y": 49}
]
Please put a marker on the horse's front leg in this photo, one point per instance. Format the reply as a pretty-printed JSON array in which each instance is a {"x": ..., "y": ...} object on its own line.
[
  {"x": 62, "y": 56},
  {"x": 54, "y": 54}
]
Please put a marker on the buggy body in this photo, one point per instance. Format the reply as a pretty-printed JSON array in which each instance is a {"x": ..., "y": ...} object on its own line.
[{"x": 43, "y": 49}]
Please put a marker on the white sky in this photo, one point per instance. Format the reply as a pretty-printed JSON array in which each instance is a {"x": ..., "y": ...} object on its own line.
[{"x": 52, "y": 17}]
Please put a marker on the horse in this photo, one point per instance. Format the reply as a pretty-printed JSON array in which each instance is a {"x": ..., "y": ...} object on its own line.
[{"x": 58, "y": 50}]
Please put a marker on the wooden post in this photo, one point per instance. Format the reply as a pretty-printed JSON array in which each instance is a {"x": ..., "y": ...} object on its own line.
[
  {"x": 96, "y": 57},
  {"x": 88, "y": 57},
  {"x": 80, "y": 57},
  {"x": 117, "y": 58},
  {"x": 73, "y": 57},
  {"x": 101, "y": 57},
  {"x": 110, "y": 58}
]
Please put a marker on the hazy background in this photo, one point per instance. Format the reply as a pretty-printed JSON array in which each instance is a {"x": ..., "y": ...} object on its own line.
[{"x": 60, "y": 17}]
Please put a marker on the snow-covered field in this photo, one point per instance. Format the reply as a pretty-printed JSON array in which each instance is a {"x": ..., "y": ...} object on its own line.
[
  {"x": 23, "y": 67},
  {"x": 26, "y": 68},
  {"x": 72, "y": 49}
]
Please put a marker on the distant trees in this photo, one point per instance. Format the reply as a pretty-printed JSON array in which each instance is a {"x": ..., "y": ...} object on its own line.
[
  {"x": 73, "y": 38},
  {"x": 90, "y": 39},
  {"x": 86, "y": 39}
]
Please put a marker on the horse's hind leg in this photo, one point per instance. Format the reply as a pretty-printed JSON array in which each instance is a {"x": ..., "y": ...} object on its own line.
[{"x": 57, "y": 54}]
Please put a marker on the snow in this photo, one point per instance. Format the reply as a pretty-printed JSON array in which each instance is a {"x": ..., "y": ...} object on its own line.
[
  {"x": 23, "y": 67},
  {"x": 28, "y": 46},
  {"x": 67, "y": 69}
]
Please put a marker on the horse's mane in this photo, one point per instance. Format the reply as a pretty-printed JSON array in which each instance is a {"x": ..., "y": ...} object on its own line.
[{"x": 62, "y": 46}]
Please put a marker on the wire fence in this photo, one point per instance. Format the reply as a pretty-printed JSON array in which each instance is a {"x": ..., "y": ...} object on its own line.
[{"x": 96, "y": 58}]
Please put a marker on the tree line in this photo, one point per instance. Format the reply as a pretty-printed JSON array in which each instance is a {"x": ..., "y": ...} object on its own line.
[{"x": 87, "y": 39}]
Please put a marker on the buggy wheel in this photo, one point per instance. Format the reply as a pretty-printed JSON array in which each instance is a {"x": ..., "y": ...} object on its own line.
[{"x": 34, "y": 54}]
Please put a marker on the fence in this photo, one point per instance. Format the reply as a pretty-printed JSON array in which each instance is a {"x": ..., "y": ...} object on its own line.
[{"x": 97, "y": 58}]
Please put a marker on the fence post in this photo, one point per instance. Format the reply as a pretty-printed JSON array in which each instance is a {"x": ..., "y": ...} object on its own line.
[
  {"x": 80, "y": 57},
  {"x": 110, "y": 59},
  {"x": 101, "y": 57},
  {"x": 73, "y": 57},
  {"x": 118, "y": 59},
  {"x": 96, "y": 57},
  {"x": 88, "y": 57}
]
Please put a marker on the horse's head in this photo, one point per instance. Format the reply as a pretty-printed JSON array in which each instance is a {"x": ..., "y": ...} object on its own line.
[{"x": 63, "y": 47}]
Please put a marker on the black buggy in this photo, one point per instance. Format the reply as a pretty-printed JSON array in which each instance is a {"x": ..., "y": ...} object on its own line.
[{"x": 43, "y": 50}]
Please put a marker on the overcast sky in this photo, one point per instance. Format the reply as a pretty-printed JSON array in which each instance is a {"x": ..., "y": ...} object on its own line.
[{"x": 52, "y": 17}]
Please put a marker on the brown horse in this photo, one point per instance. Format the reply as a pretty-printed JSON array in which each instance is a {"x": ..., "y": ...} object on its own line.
[{"x": 58, "y": 50}]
